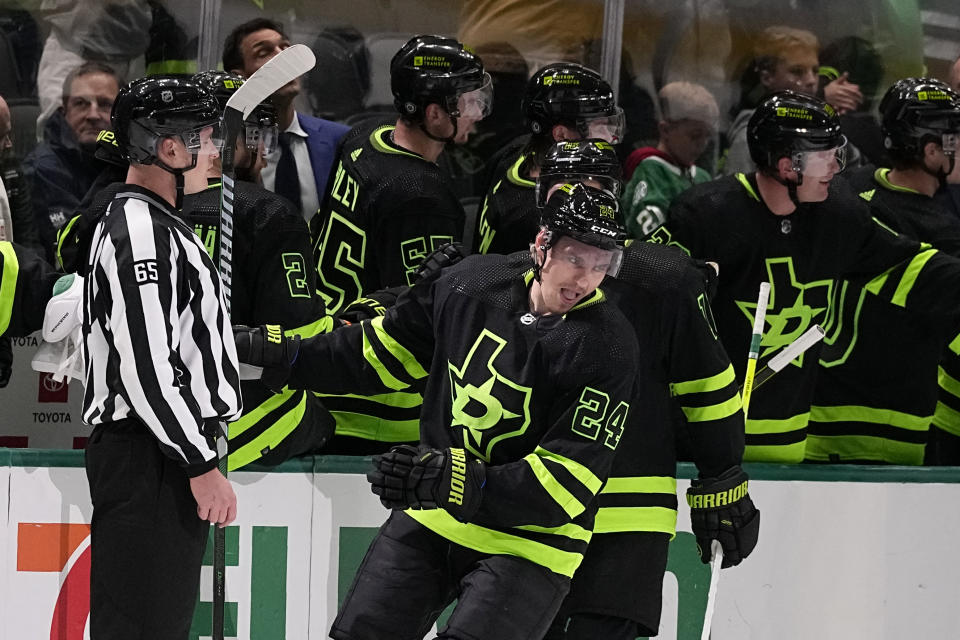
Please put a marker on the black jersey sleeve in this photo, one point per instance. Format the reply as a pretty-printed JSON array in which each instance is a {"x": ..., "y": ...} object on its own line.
[
  {"x": 282, "y": 275},
  {"x": 702, "y": 379},
  {"x": 26, "y": 285},
  {"x": 684, "y": 228},
  {"x": 383, "y": 355},
  {"x": 559, "y": 480},
  {"x": 905, "y": 272}
]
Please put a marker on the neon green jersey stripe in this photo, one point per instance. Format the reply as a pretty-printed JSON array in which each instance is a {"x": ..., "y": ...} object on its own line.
[
  {"x": 398, "y": 351},
  {"x": 8, "y": 289},
  {"x": 749, "y": 187},
  {"x": 557, "y": 491},
  {"x": 705, "y": 385},
  {"x": 62, "y": 235},
  {"x": 256, "y": 414},
  {"x": 376, "y": 139},
  {"x": 854, "y": 413},
  {"x": 641, "y": 484},
  {"x": 955, "y": 345},
  {"x": 822, "y": 448},
  {"x": 784, "y": 425},
  {"x": 947, "y": 418},
  {"x": 910, "y": 277},
  {"x": 513, "y": 174},
  {"x": 317, "y": 327},
  {"x": 948, "y": 383},
  {"x": 783, "y": 453},
  {"x": 387, "y": 378},
  {"x": 622, "y": 519},
  {"x": 714, "y": 411},
  {"x": 486, "y": 540},
  {"x": 876, "y": 284},
  {"x": 270, "y": 437},
  {"x": 577, "y": 470},
  {"x": 367, "y": 427}
]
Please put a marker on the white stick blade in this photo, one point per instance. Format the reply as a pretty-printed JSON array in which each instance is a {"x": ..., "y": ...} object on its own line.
[
  {"x": 812, "y": 336},
  {"x": 289, "y": 64}
]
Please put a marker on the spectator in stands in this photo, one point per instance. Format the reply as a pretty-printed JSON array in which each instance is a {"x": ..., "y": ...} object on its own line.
[
  {"x": 864, "y": 65},
  {"x": 784, "y": 58},
  {"x": 63, "y": 168},
  {"x": 689, "y": 116},
  {"x": 16, "y": 212},
  {"x": 305, "y": 141}
]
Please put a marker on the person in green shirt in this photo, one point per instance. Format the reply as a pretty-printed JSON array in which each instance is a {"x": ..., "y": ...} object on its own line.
[{"x": 661, "y": 173}]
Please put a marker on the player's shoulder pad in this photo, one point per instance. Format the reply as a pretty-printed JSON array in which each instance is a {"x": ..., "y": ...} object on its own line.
[
  {"x": 661, "y": 269},
  {"x": 490, "y": 277}
]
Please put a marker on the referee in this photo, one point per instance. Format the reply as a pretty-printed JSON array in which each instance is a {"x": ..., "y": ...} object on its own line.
[{"x": 161, "y": 373}]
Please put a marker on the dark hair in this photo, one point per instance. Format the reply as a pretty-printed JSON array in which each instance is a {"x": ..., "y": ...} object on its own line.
[
  {"x": 86, "y": 69},
  {"x": 232, "y": 56}
]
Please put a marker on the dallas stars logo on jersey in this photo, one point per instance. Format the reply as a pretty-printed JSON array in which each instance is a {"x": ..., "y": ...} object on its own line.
[
  {"x": 793, "y": 307},
  {"x": 488, "y": 406}
]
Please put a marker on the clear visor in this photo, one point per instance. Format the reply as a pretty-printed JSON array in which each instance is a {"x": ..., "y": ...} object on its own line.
[
  {"x": 477, "y": 104},
  {"x": 546, "y": 187},
  {"x": 255, "y": 135},
  {"x": 608, "y": 128},
  {"x": 204, "y": 140},
  {"x": 820, "y": 164},
  {"x": 584, "y": 256}
]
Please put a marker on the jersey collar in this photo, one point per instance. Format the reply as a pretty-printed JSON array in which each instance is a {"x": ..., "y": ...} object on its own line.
[
  {"x": 382, "y": 142},
  {"x": 882, "y": 176},
  {"x": 513, "y": 174},
  {"x": 596, "y": 297},
  {"x": 749, "y": 185}
]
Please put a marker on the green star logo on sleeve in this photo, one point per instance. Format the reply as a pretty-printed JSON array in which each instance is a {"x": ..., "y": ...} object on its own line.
[
  {"x": 793, "y": 307},
  {"x": 486, "y": 405}
]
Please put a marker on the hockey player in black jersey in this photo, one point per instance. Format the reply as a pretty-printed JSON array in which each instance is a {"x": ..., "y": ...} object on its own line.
[
  {"x": 530, "y": 374},
  {"x": 273, "y": 282},
  {"x": 877, "y": 385},
  {"x": 389, "y": 205},
  {"x": 616, "y": 592},
  {"x": 795, "y": 226},
  {"x": 563, "y": 101}
]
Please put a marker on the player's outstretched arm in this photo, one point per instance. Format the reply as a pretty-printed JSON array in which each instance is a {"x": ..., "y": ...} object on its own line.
[{"x": 386, "y": 354}]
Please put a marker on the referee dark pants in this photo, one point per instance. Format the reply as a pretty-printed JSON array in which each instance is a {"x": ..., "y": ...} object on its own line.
[{"x": 147, "y": 541}]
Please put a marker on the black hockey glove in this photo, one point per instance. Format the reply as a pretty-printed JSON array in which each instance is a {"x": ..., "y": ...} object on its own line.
[
  {"x": 373, "y": 305},
  {"x": 721, "y": 509},
  {"x": 6, "y": 361},
  {"x": 408, "y": 477},
  {"x": 268, "y": 352},
  {"x": 446, "y": 255}
]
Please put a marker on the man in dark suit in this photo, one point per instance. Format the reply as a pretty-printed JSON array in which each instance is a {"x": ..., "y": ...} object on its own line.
[{"x": 305, "y": 142}]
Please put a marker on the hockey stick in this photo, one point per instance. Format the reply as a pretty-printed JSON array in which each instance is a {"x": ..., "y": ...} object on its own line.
[
  {"x": 759, "y": 317},
  {"x": 288, "y": 65},
  {"x": 716, "y": 561},
  {"x": 811, "y": 336}
]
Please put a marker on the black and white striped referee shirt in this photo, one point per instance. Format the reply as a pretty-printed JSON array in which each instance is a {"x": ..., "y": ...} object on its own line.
[{"x": 156, "y": 336}]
